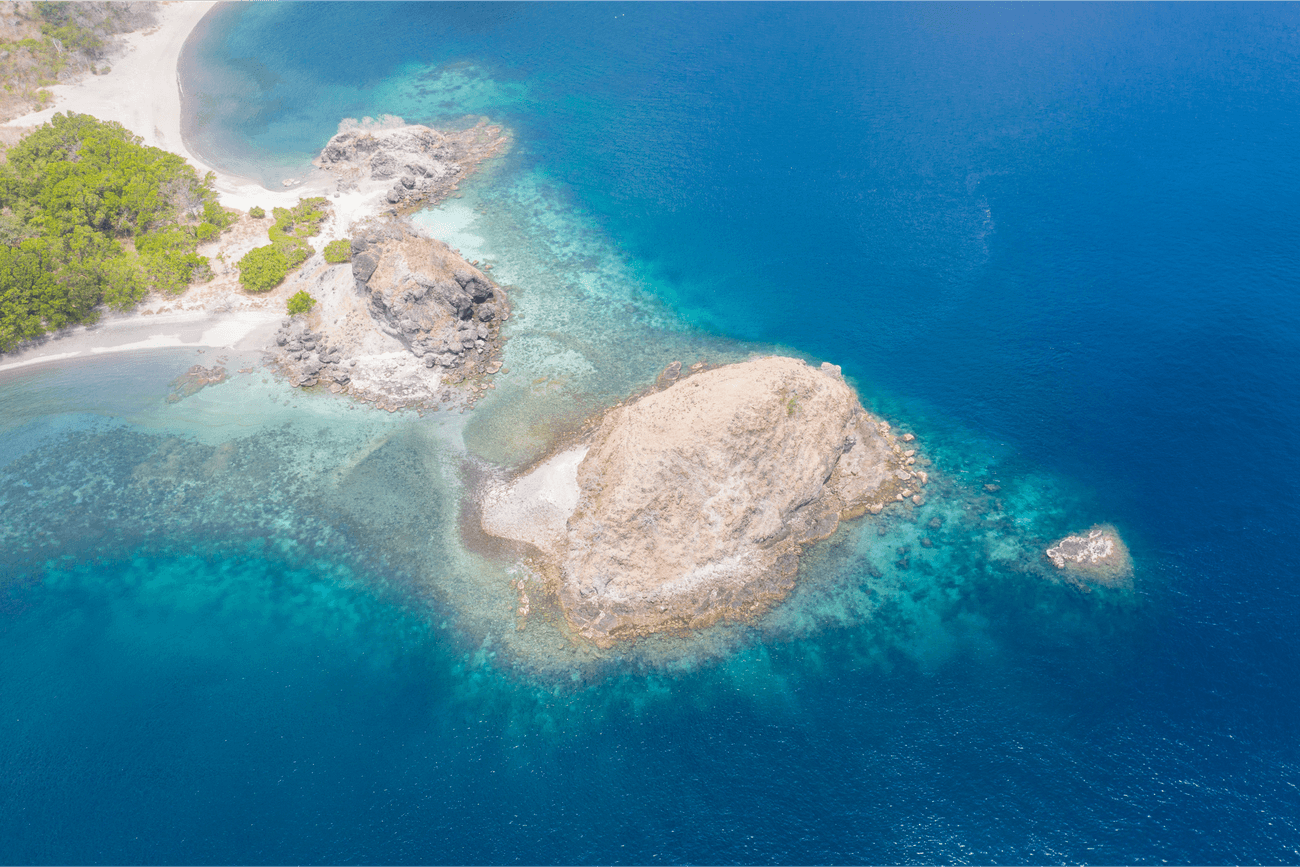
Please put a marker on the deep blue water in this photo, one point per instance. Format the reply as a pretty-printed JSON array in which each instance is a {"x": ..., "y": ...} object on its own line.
[{"x": 1058, "y": 241}]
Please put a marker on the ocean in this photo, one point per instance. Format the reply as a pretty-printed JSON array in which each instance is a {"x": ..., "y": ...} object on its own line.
[{"x": 1056, "y": 242}]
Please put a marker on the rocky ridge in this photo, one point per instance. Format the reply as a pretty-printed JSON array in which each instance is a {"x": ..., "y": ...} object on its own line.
[
  {"x": 694, "y": 502},
  {"x": 421, "y": 292}
]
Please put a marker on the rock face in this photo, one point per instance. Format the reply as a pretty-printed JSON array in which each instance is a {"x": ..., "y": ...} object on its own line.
[
  {"x": 694, "y": 503},
  {"x": 416, "y": 164},
  {"x": 1098, "y": 556},
  {"x": 406, "y": 316},
  {"x": 440, "y": 307}
]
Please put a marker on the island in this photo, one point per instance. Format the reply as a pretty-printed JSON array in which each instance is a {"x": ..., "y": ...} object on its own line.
[
  {"x": 1096, "y": 556},
  {"x": 694, "y": 502},
  {"x": 688, "y": 504}
]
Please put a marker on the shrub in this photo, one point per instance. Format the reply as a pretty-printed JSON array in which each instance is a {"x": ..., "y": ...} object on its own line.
[
  {"x": 337, "y": 252},
  {"x": 300, "y": 302},
  {"x": 256, "y": 212},
  {"x": 263, "y": 268},
  {"x": 215, "y": 214},
  {"x": 206, "y": 232}
]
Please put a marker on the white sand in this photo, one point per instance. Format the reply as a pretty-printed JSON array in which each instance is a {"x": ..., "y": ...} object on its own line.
[
  {"x": 142, "y": 92},
  {"x": 536, "y": 508},
  {"x": 240, "y": 331}
]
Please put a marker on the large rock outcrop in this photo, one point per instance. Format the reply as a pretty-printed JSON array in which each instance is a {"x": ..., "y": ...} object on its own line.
[
  {"x": 441, "y": 308},
  {"x": 406, "y": 316},
  {"x": 693, "y": 503},
  {"x": 416, "y": 164}
]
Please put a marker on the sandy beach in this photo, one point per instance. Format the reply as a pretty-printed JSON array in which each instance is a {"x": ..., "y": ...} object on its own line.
[{"x": 142, "y": 92}]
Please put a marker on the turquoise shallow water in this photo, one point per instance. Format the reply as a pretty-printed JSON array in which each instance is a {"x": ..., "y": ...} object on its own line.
[{"x": 1055, "y": 242}]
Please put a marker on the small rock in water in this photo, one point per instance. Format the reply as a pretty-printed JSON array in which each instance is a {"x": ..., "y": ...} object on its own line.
[{"x": 1098, "y": 556}]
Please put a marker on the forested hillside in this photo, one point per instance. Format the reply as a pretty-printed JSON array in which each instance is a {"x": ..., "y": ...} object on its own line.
[
  {"x": 90, "y": 216},
  {"x": 47, "y": 43}
]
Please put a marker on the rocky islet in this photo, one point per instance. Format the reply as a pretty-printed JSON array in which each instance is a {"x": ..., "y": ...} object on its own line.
[
  {"x": 1096, "y": 556},
  {"x": 688, "y": 505},
  {"x": 694, "y": 503},
  {"x": 417, "y": 165}
]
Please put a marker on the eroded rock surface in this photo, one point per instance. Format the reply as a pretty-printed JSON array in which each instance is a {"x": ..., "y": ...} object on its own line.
[
  {"x": 441, "y": 308},
  {"x": 406, "y": 317},
  {"x": 418, "y": 165},
  {"x": 1098, "y": 556},
  {"x": 693, "y": 503}
]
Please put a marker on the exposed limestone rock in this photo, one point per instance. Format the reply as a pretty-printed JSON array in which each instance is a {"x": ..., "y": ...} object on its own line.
[
  {"x": 417, "y": 165},
  {"x": 1098, "y": 556},
  {"x": 694, "y": 503}
]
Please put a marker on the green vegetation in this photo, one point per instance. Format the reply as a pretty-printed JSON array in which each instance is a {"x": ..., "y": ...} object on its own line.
[
  {"x": 294, "y": 225},
  {"x": 256, "y": 212},
  {"x": 300, "y": 302},
  {"x": 264, "y": 268},
  {"x": 90, "y": 216},
  {"x": 791, "y": 405},
  {"x": 337, "y": 252},
  {"x": 50, "y": 42},
  {"x": 59, "y": 22}
]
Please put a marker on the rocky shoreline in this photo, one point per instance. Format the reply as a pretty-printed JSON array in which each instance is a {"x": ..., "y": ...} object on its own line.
[
  {"x": 407, "y": 321},
  {"x": 694, "y": 502}
]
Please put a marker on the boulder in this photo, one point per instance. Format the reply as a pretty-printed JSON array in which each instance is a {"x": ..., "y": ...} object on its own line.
[{"x": 363, "y": 266}]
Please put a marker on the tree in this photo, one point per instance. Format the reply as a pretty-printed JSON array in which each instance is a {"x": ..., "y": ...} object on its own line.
[
  {"x": 105, "y": 217},
  {"x": 263, "y": 268}
]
